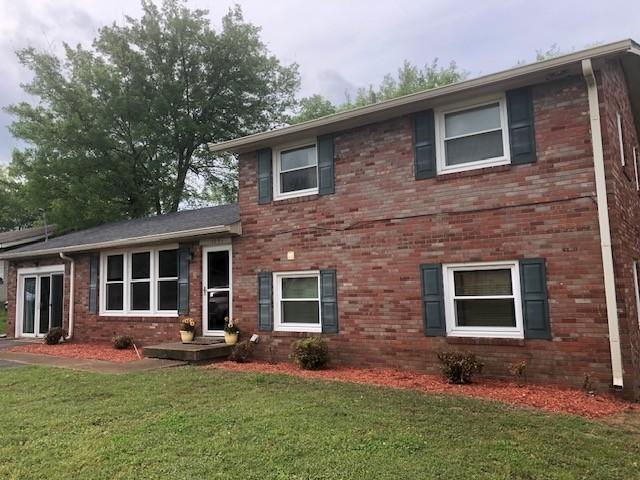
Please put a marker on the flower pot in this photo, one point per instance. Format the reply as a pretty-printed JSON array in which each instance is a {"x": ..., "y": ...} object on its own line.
[
  {"x": 230, "y": 338},
  {"x": 186, "y": 336}
]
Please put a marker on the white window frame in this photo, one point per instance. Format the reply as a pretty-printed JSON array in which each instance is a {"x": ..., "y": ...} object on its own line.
[
  {"x": 155, "y": 285},
  {"x": 278, "y": 325},
  {"x": 635, "y": 166},
  {"x": 636, "y": 289},
  {"x": 620, "y": 138},
  {"x": 277, "y": 163},
  {"x": 505, "y": 159},
  {"x": 126, "y": 300},
  {"x": 454, "y": 330}
]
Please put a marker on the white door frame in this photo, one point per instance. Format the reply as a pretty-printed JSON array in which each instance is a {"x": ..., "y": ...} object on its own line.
[
  {"x": 206, "y": 291},
  {"x": 37, "y": 273}
]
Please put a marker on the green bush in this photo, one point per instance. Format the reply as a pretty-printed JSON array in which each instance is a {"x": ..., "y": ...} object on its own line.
[
  {"x": 242, "y": 352},
  {"x": 54, "y": 336},
  {"x": 311, "y": 353},
  {"x": 459, "y": 367},
  {"x": 122, "y": 342}
]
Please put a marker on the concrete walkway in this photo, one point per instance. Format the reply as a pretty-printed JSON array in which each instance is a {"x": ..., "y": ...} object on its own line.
[{"x": 87, "y": 365}]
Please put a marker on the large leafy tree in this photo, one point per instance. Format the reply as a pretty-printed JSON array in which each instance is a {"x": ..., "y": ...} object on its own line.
[
  {"x": 409, "y": 79},
  {"x": 119, "y": 130},
  {"x": 14, "y": 208}
]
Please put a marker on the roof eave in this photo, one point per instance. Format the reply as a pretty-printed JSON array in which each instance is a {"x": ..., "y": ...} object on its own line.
[
  {"x": 16, "y": 243},
  {"x": 510, "y": 78},
  {"x": 230, "y": 230}
]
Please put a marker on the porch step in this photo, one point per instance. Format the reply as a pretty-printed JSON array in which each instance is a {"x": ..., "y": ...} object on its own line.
[{"x": 197, "y": 351}]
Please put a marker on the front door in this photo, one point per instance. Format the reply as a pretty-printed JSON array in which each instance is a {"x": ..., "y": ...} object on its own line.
[
  {"x": 41, "y": 303},
  {"x": 216, "y": 288}
]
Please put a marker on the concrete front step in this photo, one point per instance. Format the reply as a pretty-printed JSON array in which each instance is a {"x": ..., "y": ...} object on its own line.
[{"x": 189, "y": 352}]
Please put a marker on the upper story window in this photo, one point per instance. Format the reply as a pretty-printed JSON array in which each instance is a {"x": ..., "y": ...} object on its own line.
[
  {"x": 472, "y": 136},
  {"x": 295, "y": 171},
  {"x": 141, "y": 282},
  {"x": 620, "y": 138}
]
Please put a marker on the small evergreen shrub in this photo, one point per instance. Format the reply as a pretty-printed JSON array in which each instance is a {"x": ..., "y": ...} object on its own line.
[
  {"x": 459, "y": 367},
  {"x": 311, "y": 353},
  {"x": 519, "y": 372},
  {"x": 54, "y": 336},
  {"x": 122, "y": 342},
  {"x": 242, "y": 352}
]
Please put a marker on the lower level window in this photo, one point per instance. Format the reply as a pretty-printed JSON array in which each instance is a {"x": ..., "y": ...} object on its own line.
[
  {"x": 483, "y": 300},
  {"x": 297, "y": 301},
  {"x": 140, "y": 282}
]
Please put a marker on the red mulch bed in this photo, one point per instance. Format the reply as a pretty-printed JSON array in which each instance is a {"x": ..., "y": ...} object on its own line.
[
  {"x": 93, "y": 351},
  {"x": 545, "y": 397}
]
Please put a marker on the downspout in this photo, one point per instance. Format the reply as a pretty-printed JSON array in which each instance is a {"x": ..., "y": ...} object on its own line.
[
  {"x": 72, "y": 276},
  {"x": 603, "y": 220}
]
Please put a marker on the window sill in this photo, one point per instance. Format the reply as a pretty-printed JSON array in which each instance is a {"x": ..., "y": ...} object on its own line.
[
  {"x": 291, "y": 334},
  {"x": 443, "y": 176},
  {"x": 507, "y": 342},
  {"x": 298, "y": 199}
]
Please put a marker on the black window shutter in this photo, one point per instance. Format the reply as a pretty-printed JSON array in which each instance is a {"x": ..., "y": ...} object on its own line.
[
  {"x": 522, "y": 138},
  {"x": 265, "y": 301},
  {"x": 424, "y": 147},
  {"x": 329, "y": 301},
  {"x": 326, "y": 165},
  {"x": 535, "y": 304},
  {"x": 94, "y": 266},
  {"x": 433, "y": 300},
  {"x": 264, "y": 176},
  {"x": 184, "y": 259}
]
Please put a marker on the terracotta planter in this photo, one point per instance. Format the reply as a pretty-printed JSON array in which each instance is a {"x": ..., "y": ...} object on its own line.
[
  {"x": 230, "y": 338},
  {"x": 186, "y": 337}
]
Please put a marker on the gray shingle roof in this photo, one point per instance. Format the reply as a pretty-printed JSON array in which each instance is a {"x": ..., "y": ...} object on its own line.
[
  {"x": 16, "y": 237},
  {"x": 172, "y": 223}
]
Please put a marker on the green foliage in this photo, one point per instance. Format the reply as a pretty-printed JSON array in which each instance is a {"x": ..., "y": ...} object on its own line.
[
  {"x": 54, "y": 336},
  {"x": 197, "y": 423},
  {"x": 122, "y": 342},
  {"x": 459, "y": 367},
  {"x": 119, "y": 130},
  {"x": 242, "y": 352},
  {"x": 311, "y": 353},
  {"x": 15, "y": 209},
  {"x": 409, "y": 79},
  {"x": 3, "y": 319}
]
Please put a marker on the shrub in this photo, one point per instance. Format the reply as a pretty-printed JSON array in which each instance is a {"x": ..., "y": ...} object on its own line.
[
  {"x": 242, "y": 352},
  {"x": 122, "y": 342},
  {"x": 459, "y": 367},
  {"x": 311, "y": 353},
  {"x": 54, "y": 336},
  {"x": 519, "y": 372}
]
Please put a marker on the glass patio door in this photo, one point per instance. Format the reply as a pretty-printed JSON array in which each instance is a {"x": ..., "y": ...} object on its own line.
[
  {"x": 216, "y": 281},
  {"x": 42, "y": 303}
]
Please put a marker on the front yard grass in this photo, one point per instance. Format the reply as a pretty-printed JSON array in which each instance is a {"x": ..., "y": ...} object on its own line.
[
  {"x": 3, "y": 319},
  {"x": 202, "y": 423}
]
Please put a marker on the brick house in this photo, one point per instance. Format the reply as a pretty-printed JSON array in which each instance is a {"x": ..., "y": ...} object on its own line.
[{"x": 498, "y": 215}]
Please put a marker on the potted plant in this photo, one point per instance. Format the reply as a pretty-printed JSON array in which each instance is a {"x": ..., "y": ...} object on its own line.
[
  {"x": 231, "y": 331},
  {"x": 187, "y": 329}
]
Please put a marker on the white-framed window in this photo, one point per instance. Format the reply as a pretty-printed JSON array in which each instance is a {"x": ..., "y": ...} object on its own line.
[
  {"x": 635, "y": 167},
  {"x": 140, "y": 282},
  {"x": 620, "y": 138},
  {"x": 636, "y": 288},
  {"x": 472, "y": 135},
  {"x": 296, "y": 305},
  {"x": 483, "y": 300},
  {"x": 295, "y": 171}
]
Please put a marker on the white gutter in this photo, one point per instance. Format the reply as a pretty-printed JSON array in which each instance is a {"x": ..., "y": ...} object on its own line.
[
  {"x": 234, "y": 229},
  {"x": 603, "y": 220},
  {"x": 72, "y": 277}
]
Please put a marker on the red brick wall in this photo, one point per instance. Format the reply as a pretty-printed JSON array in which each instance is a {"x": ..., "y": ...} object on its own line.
[
  {"x": 624, "y": 210},
  {"x": 90, "y": 327},
  {"x": 381, "y": 224}
]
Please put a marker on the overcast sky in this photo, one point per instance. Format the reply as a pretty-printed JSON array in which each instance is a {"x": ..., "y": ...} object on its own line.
[{"x": 340, "y": 45}]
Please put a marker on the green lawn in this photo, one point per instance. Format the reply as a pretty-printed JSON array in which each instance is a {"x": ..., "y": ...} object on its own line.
[
  {"x": 3, "y": 319},
  {"x": 197, "y": 423}
]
